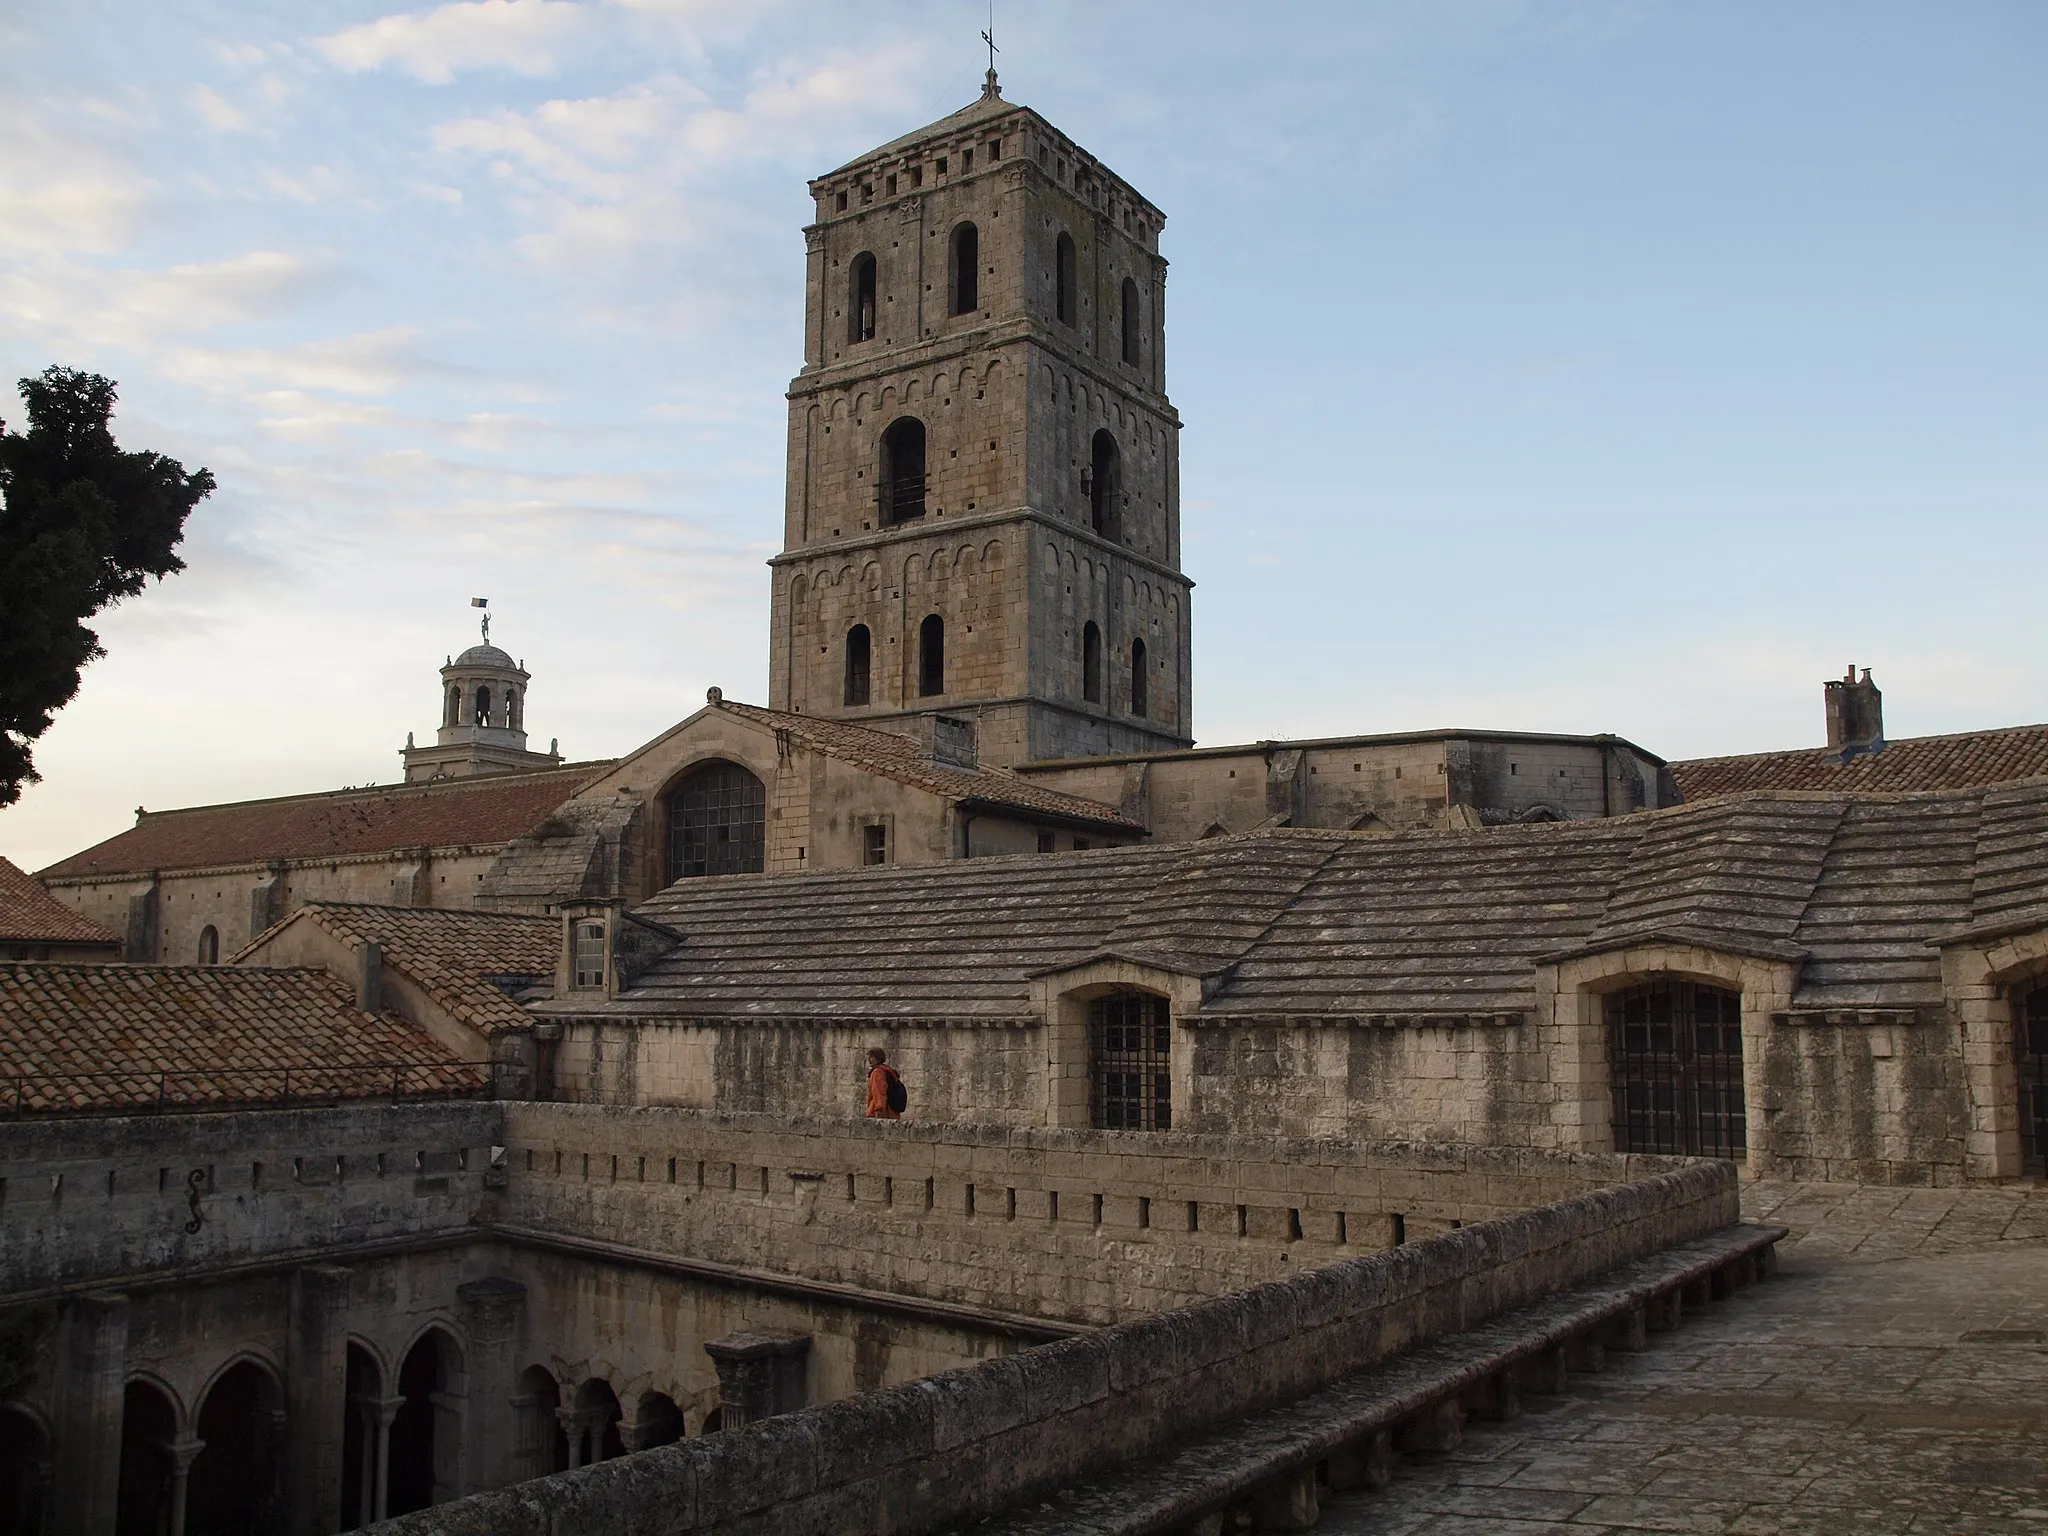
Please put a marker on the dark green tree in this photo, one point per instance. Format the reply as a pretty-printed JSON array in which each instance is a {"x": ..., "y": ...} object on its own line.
[{"x": 82, "y": 525}]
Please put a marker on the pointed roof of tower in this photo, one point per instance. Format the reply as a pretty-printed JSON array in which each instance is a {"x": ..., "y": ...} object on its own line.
[{"x": 990, "y": 105}]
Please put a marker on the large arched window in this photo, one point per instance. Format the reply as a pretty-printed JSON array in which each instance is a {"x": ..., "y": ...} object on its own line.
[
  {"x": 1138, "y": 688},
  {"x": 1091, "y": 663},
  {"x": 900, "y": 485},
  {"x": 715, "y": 823},
  {"x": 454, "y": 716},
  {"x": 931, "y": 656},
  {"x": 860, "y": 655},
  {"x": 149, "y": 1426},
  {"x": 1131, "y": 322},
  {"x": 425, "y": 1443},
  {"x": 24, "y": 1471},
  {"x": 483, "y": 705},
  {"x": 1105, "y": 486},
  {"x": 234, "y": 1481},
  {"x": 2030, "y": 1057},
  {"x": 1065, "y": 300},
  {"x": 209, "y": 945},
  {"x": 966, "y": 269},
  {"x": 860, "y": 299},
  {"x": 1674, "y": 1051},
  {"x": 1130, "y": 1062}
]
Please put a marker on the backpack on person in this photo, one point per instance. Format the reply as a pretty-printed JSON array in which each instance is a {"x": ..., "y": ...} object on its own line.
[{"x": 899, "y": 1096}]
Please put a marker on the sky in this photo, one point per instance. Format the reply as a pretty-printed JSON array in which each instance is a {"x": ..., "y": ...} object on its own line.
[{"x": 1583, "y": 365}]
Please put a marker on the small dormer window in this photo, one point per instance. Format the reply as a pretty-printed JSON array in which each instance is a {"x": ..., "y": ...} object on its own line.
[{"x": 588, "y": 958}]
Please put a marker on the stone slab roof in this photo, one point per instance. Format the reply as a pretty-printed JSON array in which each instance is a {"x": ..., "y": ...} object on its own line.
[
  {"x": 112, "y": 1037},
  {"x": 30, "y": 914},
  {"x": 339, "y": 824},
  {"x": 473, "y": 964},
  {"x": 1966, "y": 760},
  {"x": 909, "y": 762},
  {"x": 1855, "y": 891}
]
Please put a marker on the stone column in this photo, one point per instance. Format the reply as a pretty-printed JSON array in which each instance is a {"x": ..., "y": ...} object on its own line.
[
  {"x": 316, "y": 1399},
  {"x": 181, "y": 1454},
  {"x": 494, "y": 1317},
  {"x": 759, "y": 1375},
  {"x": 91, "y": 1373}
]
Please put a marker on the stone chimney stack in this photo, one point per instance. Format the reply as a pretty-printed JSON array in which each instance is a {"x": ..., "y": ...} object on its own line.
[{"x": 1855, "y": 711}]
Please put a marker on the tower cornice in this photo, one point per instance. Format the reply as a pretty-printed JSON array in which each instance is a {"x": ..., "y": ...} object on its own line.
[{"x": 949, "y": 526}]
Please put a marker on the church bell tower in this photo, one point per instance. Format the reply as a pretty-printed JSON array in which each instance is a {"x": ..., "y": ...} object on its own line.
[{"x": 983, "y": 514}]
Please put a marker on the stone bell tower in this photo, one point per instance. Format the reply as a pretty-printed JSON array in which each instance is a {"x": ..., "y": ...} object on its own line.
[
  {"x": 983, "y": 514},
  {"x": 483, "y": 719}
]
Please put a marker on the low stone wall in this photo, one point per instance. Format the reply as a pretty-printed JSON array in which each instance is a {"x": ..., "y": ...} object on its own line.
[
  {"x": 96, "y": 1200},
  {"x": 932, "y": 1454},
  {"x": 1085, "y": 1226}
]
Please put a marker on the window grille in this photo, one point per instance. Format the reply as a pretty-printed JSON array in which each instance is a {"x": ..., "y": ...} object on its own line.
[
  {"x": 716, "y": 821},
  {"x": 875, "y": 849},
  {"x": 1675, "y": 1055},
  {"x": 1130, "y": 1045},
  {"x": 2030, "y": 1055},
  {"x": 589, "y": 956}
]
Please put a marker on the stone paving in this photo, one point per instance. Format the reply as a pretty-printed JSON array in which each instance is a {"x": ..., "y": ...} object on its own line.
[{"x": 1892, "y": 1378}]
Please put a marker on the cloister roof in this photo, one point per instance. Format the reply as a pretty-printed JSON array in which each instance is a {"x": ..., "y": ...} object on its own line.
[{"x": 1854, "y": 891}]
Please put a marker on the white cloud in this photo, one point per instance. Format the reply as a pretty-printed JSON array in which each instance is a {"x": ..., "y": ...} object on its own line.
[
  {"x": 216, "y": 111},
  {"x": 368, "y": 363},
  {"x": 520, "y": 35},
  {"x": 61, "y": 192},
  {"x": 124, "y": 306}
]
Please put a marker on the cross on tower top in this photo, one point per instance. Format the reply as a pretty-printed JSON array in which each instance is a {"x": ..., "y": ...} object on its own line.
[{"x": 989, "y": 88}]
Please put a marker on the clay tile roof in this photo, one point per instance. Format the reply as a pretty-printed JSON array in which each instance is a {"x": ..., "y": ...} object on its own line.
[
  {"x": 32, "y": 914},
  {"x": 109, "y": 1038},
  {"x": 474, "y": 964},
  {"x": 907, "y": 762},
  {"x": 338, "y": 824},
  {"x": 1966, "y": 760}
]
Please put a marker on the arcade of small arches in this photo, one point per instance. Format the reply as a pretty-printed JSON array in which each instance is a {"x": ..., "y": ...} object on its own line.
[
  {"x": 481, "y": 706},
  {"x": 218, "y": 1471}
]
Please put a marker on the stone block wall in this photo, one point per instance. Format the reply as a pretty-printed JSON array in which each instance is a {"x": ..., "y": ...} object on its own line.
[
  {"x": 938, "y": 1454},
  {"x": 1084, "y": 1226},
  {"x": 1852, "y": 1102}
]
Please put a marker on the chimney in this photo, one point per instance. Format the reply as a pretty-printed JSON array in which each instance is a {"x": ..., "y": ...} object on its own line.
[
  {"x": 370, "y": 977},
  {"x": 1855, "y": 711}
]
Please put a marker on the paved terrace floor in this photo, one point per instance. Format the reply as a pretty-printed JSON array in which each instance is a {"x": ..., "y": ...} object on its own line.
[{"x": 1892, "y": 1378}]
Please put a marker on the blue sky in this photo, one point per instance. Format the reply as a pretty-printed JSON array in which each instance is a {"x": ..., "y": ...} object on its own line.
[{"x": 1566, "y": 366}]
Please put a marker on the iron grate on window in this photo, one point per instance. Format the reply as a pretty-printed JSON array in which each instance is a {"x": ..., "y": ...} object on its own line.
[
  {"x": 1130, "y": 1048},
  {"x": 2030, "y": 1057},
  {"x": 717, "y": 824},
  {"x": 1675, "y": 1053}
]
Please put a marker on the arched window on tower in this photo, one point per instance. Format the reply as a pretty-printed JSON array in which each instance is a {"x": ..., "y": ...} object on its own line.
[
  {"x": 1105, "y": 488},
  {"x": 209, "y": 945},
  {"x": 931, "y": 656},
  {"x": 1064, "y": 299},
  {"x": 1130, "y": 322},
  {"x": 454, "y": 705},
  {"x": 966, "y": 269},
  {"x": 900, "y": 486},
  {"x": 860, "y": 299},
  {"x": 483, "y": 705},
  {"x": 1091, "y": 663},
  {"x": 860, "y": 650},
  {"x": 1138, "y": 688},
  {"x": 511, "y": 709}
]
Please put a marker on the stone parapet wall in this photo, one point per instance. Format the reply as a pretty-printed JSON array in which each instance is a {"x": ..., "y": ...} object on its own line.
[
  {"x": 97, "y": 1200},
  {"x": 934, "y": 1454},
  {"x": 1085, "y": 1226}
]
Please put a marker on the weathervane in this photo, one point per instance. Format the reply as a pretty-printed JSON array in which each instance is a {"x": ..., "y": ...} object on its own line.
[
  {"x": 989, "y": 86},
  {"x": 485, "y": 604}
]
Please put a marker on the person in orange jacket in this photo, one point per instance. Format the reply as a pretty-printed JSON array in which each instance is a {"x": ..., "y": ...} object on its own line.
[{"x": 886, "y": 1096}]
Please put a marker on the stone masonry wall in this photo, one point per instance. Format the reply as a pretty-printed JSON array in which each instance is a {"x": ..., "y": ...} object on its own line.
[
  {"x": 1085, "y": 1226},
  {"x": 937, "y": 1454}
]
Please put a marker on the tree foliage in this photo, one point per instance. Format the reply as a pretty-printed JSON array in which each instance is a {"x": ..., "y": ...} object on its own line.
[{"x": 82, "y": 525}]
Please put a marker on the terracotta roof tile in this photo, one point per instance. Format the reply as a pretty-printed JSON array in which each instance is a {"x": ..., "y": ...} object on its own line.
[
  {"x": 338, "y": 824},
  {"x": 1966, "y": 760},
  {"x": 114, "y": 1037},
  {"x": 908, "y": 762},
  {"x": 30, "y": 913},
  {"x": 471, "y": 963}
]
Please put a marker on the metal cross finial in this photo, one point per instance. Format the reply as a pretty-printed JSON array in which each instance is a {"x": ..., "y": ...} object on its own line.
[{"x": 989, "y": 86}]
